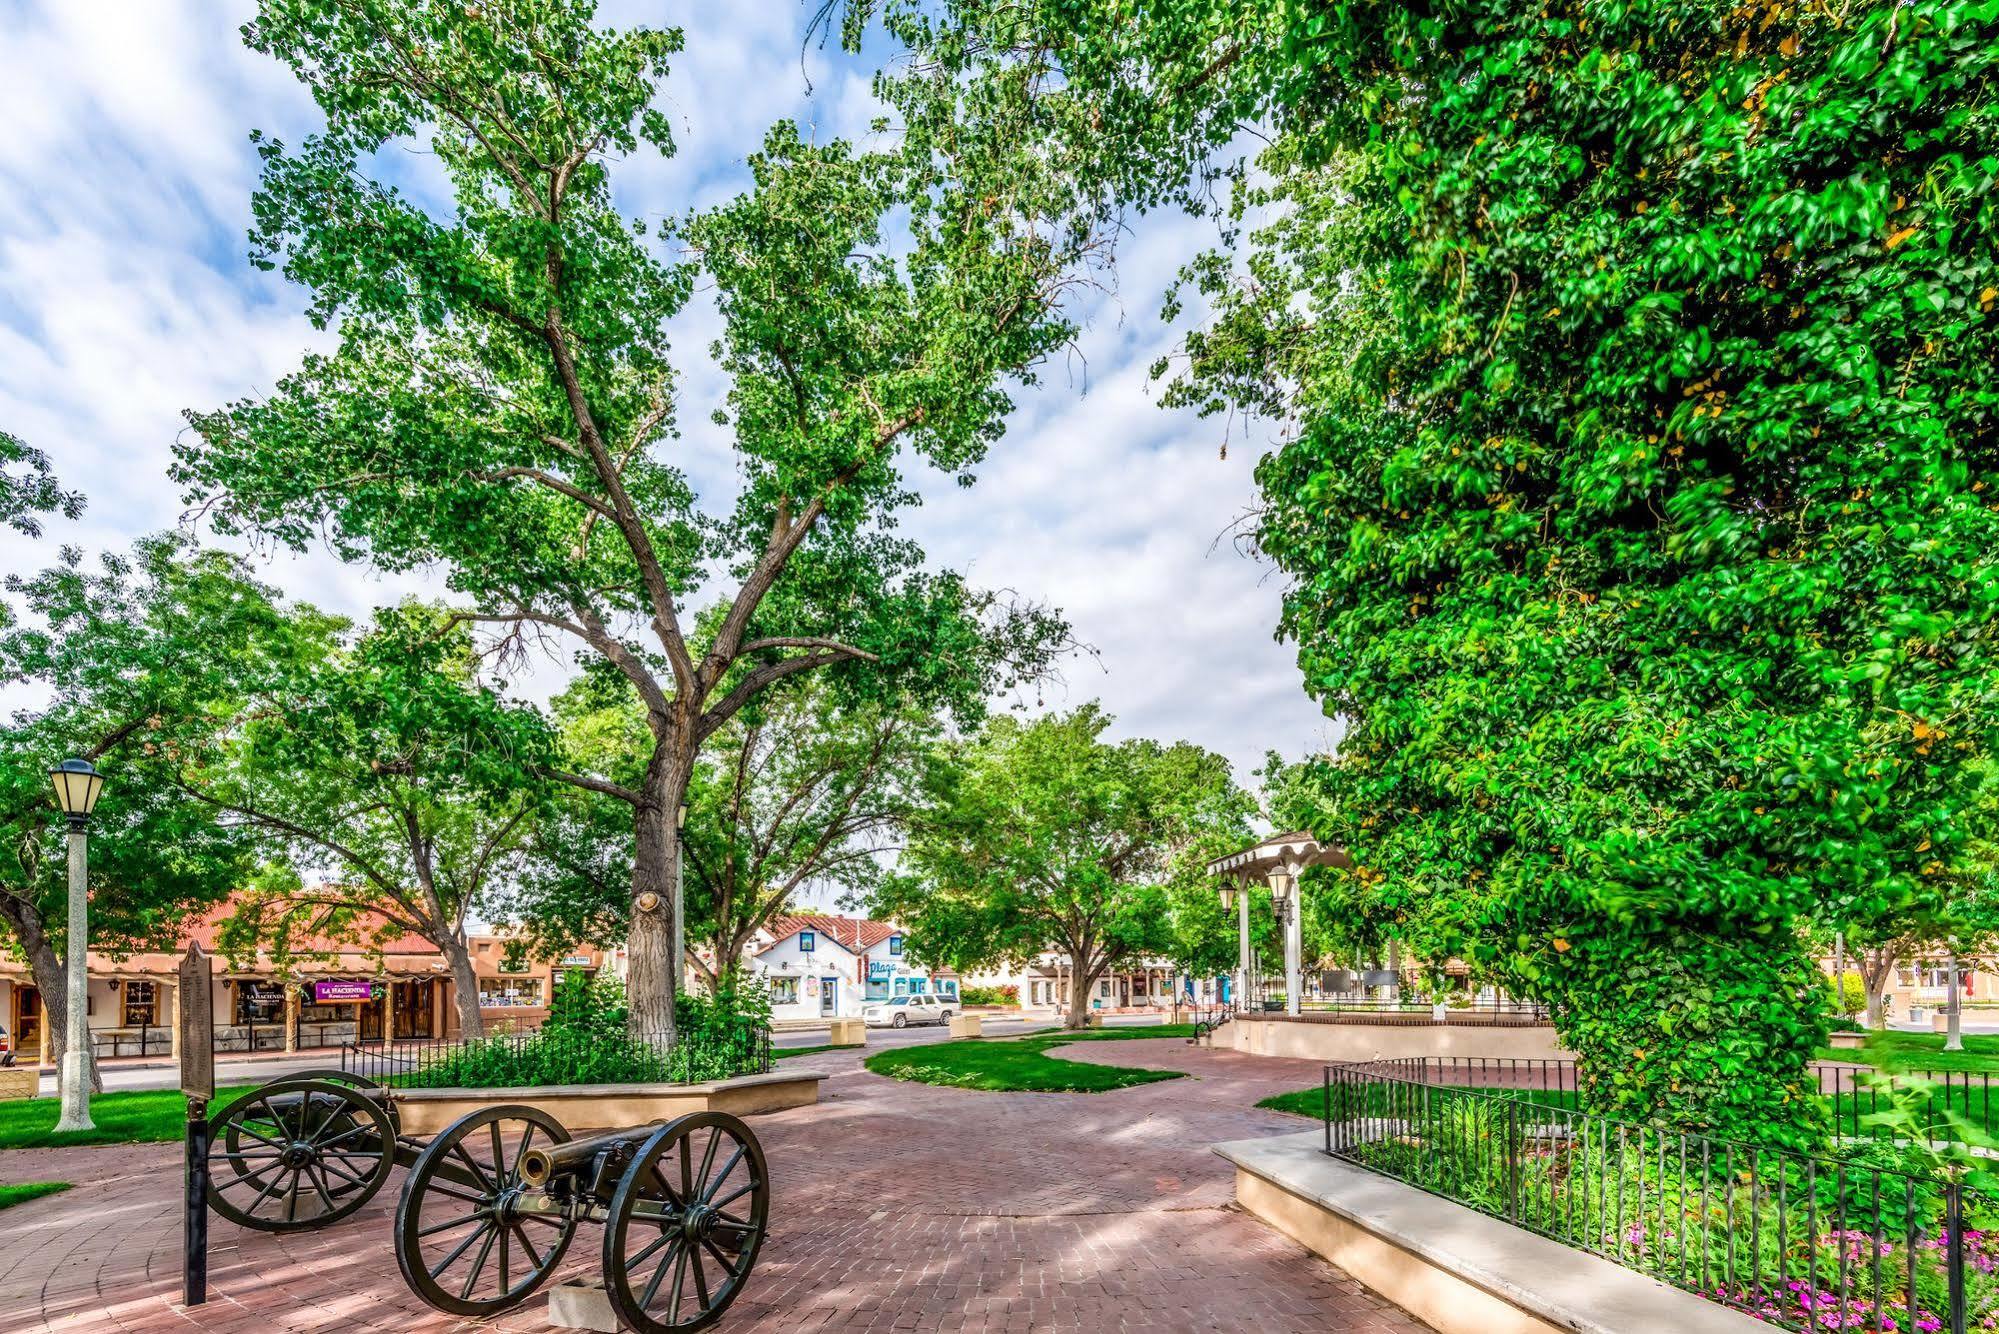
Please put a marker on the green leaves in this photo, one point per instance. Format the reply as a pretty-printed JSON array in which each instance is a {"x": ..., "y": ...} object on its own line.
[
  {"x": 1041, "y": 836},
  {"x": 1637, "y": 492}
]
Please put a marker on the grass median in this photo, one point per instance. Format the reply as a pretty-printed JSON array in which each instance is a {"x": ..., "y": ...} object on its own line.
[
  {"x": 149, "y": 1116},
  {"x": 1022, "y": 1064},
  {"x": 21, "y": 1192}
]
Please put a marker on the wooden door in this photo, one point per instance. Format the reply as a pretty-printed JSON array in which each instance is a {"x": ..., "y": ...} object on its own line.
[
  {"x": 26, "y": 1027},
  {"x": 416, "y": 1009},
  {"x": 368, "y": 1018}
]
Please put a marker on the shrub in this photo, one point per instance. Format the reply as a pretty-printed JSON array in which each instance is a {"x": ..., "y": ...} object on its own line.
[
  {"x": 1849, "y": 995},
  {"x": 1007, "y": 995},
  {"x": 585, "y": 1042}
]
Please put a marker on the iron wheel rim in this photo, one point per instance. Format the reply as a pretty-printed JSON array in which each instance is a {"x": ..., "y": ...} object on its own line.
[
  {"x": 487, "y": 1199},
  {"x": 327, "y": 1144},
  {"x": 716, "y": 1216}
]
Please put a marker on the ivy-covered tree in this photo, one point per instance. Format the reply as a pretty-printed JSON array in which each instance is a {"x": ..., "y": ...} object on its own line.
[
  {"x": 1637, "y": 499},
  {"x": 134, "y": 665},
  {"x": 1038, "y": 836},
  {"x": 501, "y": 400},
  {"x": 399, "y": 787}
]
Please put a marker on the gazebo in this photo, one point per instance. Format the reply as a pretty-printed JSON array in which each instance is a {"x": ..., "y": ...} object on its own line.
[{"x": 1278, "y": 861}]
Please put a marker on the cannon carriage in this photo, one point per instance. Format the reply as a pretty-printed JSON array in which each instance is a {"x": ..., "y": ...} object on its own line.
[{"x": 490, "y": 1206}]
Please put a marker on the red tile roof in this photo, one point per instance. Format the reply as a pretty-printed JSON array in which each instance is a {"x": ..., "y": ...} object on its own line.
[{"x": 840, "y": 930}]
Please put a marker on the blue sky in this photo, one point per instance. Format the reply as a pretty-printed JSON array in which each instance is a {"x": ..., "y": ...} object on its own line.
[{"x": 125, "y": 183}]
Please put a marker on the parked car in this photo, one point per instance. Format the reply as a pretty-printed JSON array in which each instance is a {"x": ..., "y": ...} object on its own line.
[{"x": 902, "y": 1011}]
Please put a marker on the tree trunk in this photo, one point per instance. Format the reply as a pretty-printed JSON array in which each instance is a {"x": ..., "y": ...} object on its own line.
[
  {"x": 46, "y": 966},
  {"x": 464, "y": 985},
  {"x": 650, "y": 984},
  {"x": 1953, "y": 1029},
  {"x": 1875, "y": 966},
  {"x": 1080, "y": 982}
]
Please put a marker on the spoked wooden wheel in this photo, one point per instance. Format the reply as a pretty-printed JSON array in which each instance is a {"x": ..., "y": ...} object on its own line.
[
  {"x": 298, "y": 1154},
  {"x": 686, "y": 1224},
  {"x": 464, "y": 1241}
]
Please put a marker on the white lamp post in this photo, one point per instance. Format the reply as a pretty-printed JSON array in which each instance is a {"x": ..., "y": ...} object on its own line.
[
  {"x": 1283, "y": 882},
  {"x": 1233, "y": 897},
  {"x": 679, "y": 898},
  {"x": 77, "y": 784}
]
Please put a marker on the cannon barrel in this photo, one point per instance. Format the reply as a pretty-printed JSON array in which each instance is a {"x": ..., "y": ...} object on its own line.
[{"x": 541, "y": 1165}]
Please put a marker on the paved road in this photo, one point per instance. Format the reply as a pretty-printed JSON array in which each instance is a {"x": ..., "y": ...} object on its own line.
[
  {"x": 895, "y": 1206},
  {"x": 164, "y": 1075}
]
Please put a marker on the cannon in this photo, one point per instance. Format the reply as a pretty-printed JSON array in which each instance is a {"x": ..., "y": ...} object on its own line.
[{"x": 490, "y": 1206}]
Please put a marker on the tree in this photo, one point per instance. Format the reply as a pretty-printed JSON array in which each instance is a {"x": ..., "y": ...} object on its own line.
[
  {"x": 1037, "y": 836},
  {"x": 800, "y": 788},
  {"x": 501, "y": 389},
  {"x": 28, "y": 488},
  {"x": 1636, "y": 491},
  {"x": 400, "y": 787},
  {"x": 134, "y": 663}
]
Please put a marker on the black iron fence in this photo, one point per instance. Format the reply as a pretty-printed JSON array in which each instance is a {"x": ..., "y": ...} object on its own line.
[
  {"x": 1888, "y": 1244},
  {"x": 1938, "y": 1106},
  {"x": 566, "y": 1056}
]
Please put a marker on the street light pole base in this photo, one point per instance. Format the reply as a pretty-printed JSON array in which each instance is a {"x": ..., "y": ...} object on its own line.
[{"x": 75, "y": 1092}]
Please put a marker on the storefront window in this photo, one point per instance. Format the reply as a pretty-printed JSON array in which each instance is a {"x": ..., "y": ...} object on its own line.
[
  {"x": 259, "y": 1002},
  {"x": 784, "y": 991},
  {"x": 141, "y": 1005},
  {"x": 510, "y": 991}
]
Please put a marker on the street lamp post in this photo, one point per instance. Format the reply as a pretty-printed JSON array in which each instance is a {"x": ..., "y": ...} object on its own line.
[
  {"x": 679, "y": 897},
  {"x": 77, "y": 784},
  {"x": 1284, "y": 898},
  {"x": 1233, "y": 897}
]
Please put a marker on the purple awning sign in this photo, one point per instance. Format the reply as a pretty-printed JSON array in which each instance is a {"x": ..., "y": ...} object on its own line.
[{"x": 324, "y": 992}]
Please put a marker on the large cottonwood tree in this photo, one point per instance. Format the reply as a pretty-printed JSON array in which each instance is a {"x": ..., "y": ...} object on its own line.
[{"x": 501, "y": 399}]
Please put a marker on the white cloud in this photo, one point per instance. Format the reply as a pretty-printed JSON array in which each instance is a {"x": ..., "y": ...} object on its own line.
[{"x": 125, "y": 298}]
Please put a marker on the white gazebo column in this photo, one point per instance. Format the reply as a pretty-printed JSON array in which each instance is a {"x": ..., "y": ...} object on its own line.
[
  {"x": 169, "y": 993},
  {"x": 1242, "y": 947},
  {"x": 1294, "y": 946}
]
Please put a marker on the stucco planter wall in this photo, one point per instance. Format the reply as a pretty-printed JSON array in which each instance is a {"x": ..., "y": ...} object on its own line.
[
  {"x": 425, "y": 1112},
  {"x": 1454, "y": 1268},
  {"x": 848, "y": 1033},
  {"x": 20, "y": 1082},
  {"x": 1357, "y": 1040}
]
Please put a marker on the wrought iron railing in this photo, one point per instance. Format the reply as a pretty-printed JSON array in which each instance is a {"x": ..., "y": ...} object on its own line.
[
  {"x": 1803, "y": 1242},
  {"x": 1939, "y": 1106},
  {"x": 555, "y": 1055}
]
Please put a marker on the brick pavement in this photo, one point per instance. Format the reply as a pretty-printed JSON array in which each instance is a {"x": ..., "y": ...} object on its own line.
[{"x": 895, "y": 1206}]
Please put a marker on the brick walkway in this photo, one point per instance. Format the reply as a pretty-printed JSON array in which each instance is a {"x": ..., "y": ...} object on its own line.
[{"x": 895, "y": 1206}]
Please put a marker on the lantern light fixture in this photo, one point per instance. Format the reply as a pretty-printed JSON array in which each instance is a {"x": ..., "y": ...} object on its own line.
[{"x": 77, "y": 784}]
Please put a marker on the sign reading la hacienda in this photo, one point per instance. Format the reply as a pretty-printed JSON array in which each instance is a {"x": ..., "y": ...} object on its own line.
[{"x": 339, "y": 990}]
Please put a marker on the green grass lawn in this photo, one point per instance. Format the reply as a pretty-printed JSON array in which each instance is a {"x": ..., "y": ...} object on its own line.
[
  {"x": 152, "y": 1116},
  {"x": 780, "y": 1053},
  {"x": 1923, "y": 1051},
  {"x": 1021, "y": 1064},
  {"x": 22, "y": 1192}
]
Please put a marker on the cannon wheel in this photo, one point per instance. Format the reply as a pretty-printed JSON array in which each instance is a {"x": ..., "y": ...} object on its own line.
[
  {"x": 372, "y": 1088},
  {"x": 461, "y": 1243},
  {"x": 686, "y": 1224},
  {"x": 300, "y": 1154}
]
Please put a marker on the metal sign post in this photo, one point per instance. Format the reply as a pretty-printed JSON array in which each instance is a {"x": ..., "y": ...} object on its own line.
[{"x": 197, "y": 1080}]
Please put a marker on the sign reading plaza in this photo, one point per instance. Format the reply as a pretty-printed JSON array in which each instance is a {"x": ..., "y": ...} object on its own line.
[{"x": 331, "y": 992}]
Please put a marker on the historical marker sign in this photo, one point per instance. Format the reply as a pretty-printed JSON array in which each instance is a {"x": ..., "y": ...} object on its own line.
[{"x": 195, "y": 1014}]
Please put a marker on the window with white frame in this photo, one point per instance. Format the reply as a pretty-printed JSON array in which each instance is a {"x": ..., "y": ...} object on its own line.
[{"x": 784, "y": 991}]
